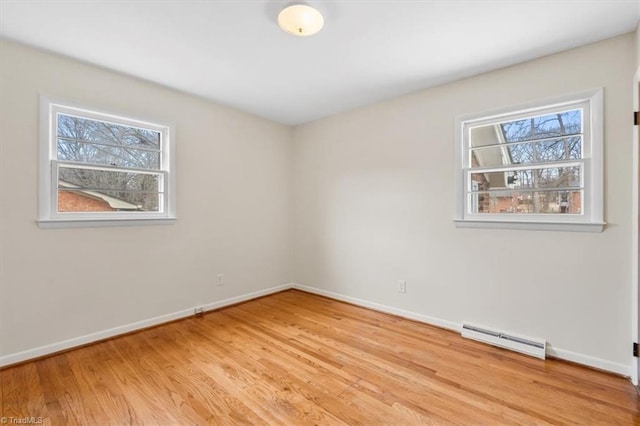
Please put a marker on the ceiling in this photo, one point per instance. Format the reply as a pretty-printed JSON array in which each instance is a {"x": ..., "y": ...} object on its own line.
[{"x": 234, "y": 53}]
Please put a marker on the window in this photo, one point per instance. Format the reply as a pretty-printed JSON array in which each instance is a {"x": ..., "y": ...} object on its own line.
[
  {"x": 537, "y": 166},
  {"x": 101, "y": 169}
]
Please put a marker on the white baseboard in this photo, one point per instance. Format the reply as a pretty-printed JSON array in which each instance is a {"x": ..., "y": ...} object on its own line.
[
  {"x": 112, "y": 332},
  {"x": 599, "y": 363},
  {"x": 578, "y": 358},
  {"x": 244, "y": 297},
  {"x": 449, "y": 325}
]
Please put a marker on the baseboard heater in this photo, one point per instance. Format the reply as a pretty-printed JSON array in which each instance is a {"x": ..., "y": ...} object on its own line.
[{"x": 525, "y": 345}]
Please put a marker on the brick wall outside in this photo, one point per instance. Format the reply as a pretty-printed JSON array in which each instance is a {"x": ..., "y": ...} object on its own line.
[{"x": 76, "y": 202}]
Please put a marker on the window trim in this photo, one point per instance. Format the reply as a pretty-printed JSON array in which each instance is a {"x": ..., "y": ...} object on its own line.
[
  {"x": 48, "y": 215},
  {"x": 593, "y": 159}
]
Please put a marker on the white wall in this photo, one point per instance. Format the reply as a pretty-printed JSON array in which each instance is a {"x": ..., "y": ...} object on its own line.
[
  {"x": 373, "y": 191},
  {"x": 233, "y": 207}
]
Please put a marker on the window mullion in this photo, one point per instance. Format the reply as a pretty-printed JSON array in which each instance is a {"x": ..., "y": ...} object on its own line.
[
  {"x": 527, "y": 166},
  {"x": 93, "y": 166},
  {"x": 113, "y": 145},
  {"x": 526, "y": 190}
]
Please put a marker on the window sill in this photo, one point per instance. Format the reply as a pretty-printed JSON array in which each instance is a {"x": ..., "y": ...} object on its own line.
[
  {"x": 532, "y": 226},
  {"x": 98, "y": 223}
]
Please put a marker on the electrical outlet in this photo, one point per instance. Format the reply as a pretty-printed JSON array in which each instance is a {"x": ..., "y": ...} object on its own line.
[
  {"x": 402, "y": 286},
  {"x": 220, "y": 280},
  {"x": 198, "y": 311}
]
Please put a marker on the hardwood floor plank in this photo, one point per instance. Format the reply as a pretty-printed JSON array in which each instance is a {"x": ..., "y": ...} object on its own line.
[{"x": 296, "y": 358}]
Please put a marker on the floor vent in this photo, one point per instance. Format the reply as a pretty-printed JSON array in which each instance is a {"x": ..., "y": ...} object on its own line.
[{"x": 525, "y": 345}]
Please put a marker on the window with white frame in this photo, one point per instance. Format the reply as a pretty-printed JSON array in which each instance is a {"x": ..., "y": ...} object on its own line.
[
  {"x": 103, "y": 169},
  {"x": 536, "y": 166}
]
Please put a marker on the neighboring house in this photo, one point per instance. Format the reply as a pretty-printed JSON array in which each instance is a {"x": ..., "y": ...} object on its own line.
[{"x": 76, "y": 199}]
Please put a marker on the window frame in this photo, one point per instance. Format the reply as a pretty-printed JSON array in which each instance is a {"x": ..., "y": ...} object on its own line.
[
  {"x": 48, "y": 214},
  {"x": 591, "y": 219}
]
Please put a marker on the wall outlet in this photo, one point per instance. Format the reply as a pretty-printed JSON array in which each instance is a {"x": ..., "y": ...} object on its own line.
[
  {"x": 220, "y": 280},
  {"x": 198, "y": 311},
  {"x": 402, "y": 286}
]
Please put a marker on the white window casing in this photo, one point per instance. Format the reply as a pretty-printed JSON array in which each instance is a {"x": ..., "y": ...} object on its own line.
[
  {"x": 589, "y": 166},
  {"x": 123, "y": 213}
]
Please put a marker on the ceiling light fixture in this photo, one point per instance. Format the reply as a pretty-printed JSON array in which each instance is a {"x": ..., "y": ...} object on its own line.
[{"x": 300, "y": 20}]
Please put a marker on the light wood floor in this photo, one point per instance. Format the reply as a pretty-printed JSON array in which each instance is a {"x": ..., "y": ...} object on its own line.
[{"x": 298, "y": 359}]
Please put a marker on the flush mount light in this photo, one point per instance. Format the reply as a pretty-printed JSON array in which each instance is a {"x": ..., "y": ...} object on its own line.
[{"x": 300, "y": 20}]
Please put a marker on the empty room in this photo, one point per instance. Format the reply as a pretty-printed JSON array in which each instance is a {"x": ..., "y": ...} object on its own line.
[{"x": 319, "y": 212}]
